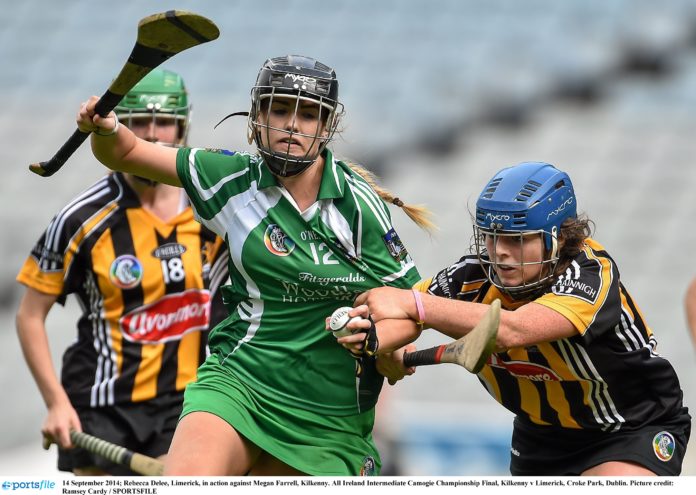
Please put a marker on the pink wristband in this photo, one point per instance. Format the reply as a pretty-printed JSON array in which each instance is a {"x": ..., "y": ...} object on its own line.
[{"x": 419, "y": 306}]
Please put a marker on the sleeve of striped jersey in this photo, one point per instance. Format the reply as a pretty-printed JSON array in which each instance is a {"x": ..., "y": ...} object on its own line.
[
  {"x": 210, "y": 178},
  {"x": 460, "y": 280},
  {"x": 45, "y": 268},
  {"x": 423, "y": 285},
  {"x": 587, "y": 294}
]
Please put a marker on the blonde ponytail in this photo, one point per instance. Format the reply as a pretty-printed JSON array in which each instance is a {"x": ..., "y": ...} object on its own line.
[{"x": 419, "y": 214}]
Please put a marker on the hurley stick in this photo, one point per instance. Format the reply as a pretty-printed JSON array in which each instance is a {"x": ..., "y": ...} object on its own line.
[
  {"x": 160, "y": 36},
  {"x": 471, "y": 351},
  {"x": 139, "y": 463}
]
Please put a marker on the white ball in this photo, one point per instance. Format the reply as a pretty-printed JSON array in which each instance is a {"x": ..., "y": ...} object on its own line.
[{"x": 339, "y": 320}]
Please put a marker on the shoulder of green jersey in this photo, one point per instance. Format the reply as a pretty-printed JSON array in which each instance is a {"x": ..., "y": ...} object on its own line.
[
  {"x": 208, "y": 191},
  {"x": 365, "y": 195}
]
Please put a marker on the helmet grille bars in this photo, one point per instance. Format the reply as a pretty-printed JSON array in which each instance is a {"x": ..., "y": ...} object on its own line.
[{"x": 303, "y": 80}]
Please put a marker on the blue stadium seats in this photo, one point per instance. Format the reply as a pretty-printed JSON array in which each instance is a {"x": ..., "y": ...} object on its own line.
[{"x": 417, "y": 78}]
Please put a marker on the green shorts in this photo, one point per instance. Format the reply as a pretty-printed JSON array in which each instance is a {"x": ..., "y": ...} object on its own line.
[{"x": 314, "y": 444}]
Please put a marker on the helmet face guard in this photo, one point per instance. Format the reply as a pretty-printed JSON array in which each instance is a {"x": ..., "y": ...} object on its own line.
[
  {"x": 529, "y": 199},
  {"x": 544, "y": 268},
  {"x": 161, "y": 94},
  {"x": 297, "y": 80}
]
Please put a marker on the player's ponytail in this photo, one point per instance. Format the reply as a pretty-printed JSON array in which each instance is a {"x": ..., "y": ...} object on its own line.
[{"x": 418, "y": 213}]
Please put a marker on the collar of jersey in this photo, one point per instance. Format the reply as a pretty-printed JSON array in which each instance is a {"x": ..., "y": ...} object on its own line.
[{"x": 333, "y": 179}]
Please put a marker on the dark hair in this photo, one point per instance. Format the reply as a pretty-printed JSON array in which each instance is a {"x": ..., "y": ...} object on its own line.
[{"x": 572, "y": 237}]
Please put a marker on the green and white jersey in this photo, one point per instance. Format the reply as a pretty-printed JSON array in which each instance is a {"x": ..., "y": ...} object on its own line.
[{"x": 289, "y": 271}]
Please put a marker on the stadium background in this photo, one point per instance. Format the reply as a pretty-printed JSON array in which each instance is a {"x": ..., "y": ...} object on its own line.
[{"x": 439, "y": 95}]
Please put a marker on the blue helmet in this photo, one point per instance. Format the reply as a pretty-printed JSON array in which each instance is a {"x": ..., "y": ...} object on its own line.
[
  {"x": 530, "y": 197},
  {"x": 527, "y": 196}
]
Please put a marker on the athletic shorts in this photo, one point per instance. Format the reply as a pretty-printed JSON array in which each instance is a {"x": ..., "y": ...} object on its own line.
[
  {"x": 143, "y": 427},
  {"x": 550, "y": 451},
  {"x": 312, "y": 443}
]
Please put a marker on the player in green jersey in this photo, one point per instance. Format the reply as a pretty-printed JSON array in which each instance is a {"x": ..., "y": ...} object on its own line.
[
  {"x": 306, "y": 233},
  {"x": 576, "y": 361}
]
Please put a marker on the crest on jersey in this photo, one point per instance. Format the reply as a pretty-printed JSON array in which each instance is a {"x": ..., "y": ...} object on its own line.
[
  {"x": 277, "y": 241},
  {"x": 584, "y": 284},
  {"x": 664, "y": 445},
  {"x": 220, "y": 151},
  {"x": 126, "y": 272},
  {"x": 368, "y": 466},
  {"x": 396, "y": 248}
]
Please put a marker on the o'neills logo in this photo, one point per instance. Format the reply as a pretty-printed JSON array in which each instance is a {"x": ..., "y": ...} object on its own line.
[
  {"x": 529, "y": 371},
  {"x": 168, "y": 319},
  {"x": 169, "y": 250}
]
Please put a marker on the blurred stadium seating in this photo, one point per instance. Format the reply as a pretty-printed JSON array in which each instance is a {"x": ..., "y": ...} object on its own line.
[{"x": 439, "y": 94}]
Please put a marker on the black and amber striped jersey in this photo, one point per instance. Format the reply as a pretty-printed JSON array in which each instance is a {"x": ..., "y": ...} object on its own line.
[
  {"x": 607, "y": 377},
  {"x": 144, "y": 286}
]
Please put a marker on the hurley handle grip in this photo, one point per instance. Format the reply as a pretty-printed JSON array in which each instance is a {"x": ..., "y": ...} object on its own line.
[{"x": 45, "y": 169}]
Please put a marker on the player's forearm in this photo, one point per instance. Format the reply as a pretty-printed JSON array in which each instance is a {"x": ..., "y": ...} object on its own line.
[
  {"x": 529, "y": 324},
  {"x": 690, "y": 306},
  {"x": 124, "y": 152},
  {"x": 35, "y": 347},
  {"x": 112, "y": 150},
  {"x": 452, "y": 318},
  {"x": 394, "y": 334}
]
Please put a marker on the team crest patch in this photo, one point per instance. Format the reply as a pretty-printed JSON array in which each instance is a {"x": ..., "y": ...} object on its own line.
[
  {"x": 368, "y": 466},
  {"x": 220, "y": 151},
  {"x": 277, "y": 242},
  {"x": 664, "y": 445},
  {"x": 126, "y": 271},
  {"x": 396, "y": 248}
]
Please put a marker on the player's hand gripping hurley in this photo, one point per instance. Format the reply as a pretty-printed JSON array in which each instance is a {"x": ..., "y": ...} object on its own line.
[
  {"x": 471, "y": 351},
  {"x": 138, "y": 463},
  {"x": 160, "y": 36}
]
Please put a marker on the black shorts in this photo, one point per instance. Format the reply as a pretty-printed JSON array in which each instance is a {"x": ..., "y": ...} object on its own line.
[
  {"x": 143, "y": 427},
  {"x": 550, "y": 451}
]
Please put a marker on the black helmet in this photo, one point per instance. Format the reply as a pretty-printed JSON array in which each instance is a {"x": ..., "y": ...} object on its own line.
[{"x": 300, "y": 78}]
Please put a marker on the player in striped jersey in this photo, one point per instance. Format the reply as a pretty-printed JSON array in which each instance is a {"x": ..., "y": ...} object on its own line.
[
  {"x": 142, "y": 270},
  {"x": 576, "y": 361},
  {"x": 306, "y": 233}
]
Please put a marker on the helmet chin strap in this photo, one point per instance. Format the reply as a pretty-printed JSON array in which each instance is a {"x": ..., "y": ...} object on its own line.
[
  {"x": 554, "y": 242},
  {"x": 146, "y": 182},
  {"x": 286, "y": 166}
]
